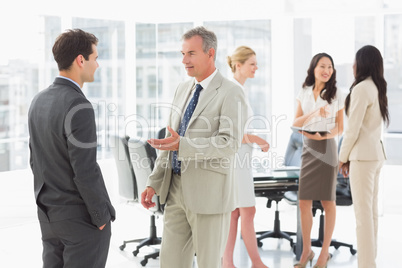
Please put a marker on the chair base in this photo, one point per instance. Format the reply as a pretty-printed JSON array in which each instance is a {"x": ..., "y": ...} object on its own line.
[
  {"x": 276, "y": 233},
  {"x": 149, "y": 256},
  {"x": 149, "y": 241},
  {"x": 318, "y": 242}
]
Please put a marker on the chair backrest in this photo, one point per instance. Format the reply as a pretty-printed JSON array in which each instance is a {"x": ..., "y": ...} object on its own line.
[
  {"x": 294, "y": 150},
  {"x": 162, "y": 133},
  {"x": 143, "y": 158},
  {"x": 293, "y": 158},
  {"x": 125, "y": 172}
]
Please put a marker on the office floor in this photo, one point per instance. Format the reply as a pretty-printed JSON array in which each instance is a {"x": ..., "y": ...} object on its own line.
[{"x": 20, "y": 244}]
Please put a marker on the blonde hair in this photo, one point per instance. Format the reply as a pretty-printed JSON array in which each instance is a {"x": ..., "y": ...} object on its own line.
[{"x": 240, "y": 55}]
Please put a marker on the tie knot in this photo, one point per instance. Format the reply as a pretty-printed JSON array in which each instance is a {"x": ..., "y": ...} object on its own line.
[{"x": 198, "y": 87}]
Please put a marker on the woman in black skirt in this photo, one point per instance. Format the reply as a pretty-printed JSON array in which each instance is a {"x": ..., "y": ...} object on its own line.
[{"x": 320, "y": 112}]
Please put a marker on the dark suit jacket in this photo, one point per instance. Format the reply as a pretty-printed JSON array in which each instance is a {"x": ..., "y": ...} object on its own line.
[{"x": 68, "y": 182}]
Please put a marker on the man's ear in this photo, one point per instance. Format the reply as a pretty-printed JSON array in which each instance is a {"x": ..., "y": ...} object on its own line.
[
  {"x": 79, "y": 60},
  {"x": 211, "y": 52}
]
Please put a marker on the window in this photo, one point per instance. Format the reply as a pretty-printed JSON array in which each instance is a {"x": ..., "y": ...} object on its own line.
[
  {"x": 256, "y": 35},
  {"x": 140, "y": 64},
  {"x": 393, "y": 69}
]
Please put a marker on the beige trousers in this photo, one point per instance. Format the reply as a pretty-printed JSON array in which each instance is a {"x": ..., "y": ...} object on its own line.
[
  {"x": 186, "y": 233},
  {"x": 364, "y": 178}
]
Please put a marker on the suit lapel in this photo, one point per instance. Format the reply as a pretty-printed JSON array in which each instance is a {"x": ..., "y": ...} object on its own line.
[
  {"x": 210, "y": 92},
  {"x": 180, "y": 104}
]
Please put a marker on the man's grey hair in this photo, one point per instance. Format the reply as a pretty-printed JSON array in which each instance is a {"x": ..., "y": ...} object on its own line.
[{"x": 209, "y": 39}]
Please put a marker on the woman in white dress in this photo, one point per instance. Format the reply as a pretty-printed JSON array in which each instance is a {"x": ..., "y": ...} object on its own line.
[{"x": 243, "y": 63}]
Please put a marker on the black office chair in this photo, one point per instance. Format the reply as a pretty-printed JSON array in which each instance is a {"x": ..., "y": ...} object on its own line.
[
  {"x": 276, "y": 232},
  {"x": 127, "y": 184},
  {"x": 292, "y": 154},
  {"x": 162, "y": 133},
  {"x": 293, "y": 158},
  {"x": 135, "y": 160}
]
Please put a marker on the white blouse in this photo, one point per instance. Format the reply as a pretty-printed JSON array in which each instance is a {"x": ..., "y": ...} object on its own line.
[
  {"x": 309, "y": 104},
  {"x": 250, "y": 112}
]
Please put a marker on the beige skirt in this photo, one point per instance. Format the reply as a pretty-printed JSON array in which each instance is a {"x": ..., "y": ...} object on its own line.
[{"x": 319, "y": 170}]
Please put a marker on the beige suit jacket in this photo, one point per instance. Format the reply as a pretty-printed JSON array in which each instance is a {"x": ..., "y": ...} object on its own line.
[
  {"x": 207, "y": 150},
  {"x": 362, "y": 138}
]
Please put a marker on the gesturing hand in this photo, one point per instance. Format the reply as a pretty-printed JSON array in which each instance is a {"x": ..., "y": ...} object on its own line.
[
  {"x": 264, "y": 146},
  {"x": 167, "y": 144},
  {"x": 323, "y": 111}
]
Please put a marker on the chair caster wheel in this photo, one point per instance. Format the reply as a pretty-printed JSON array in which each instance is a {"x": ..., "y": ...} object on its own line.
[
  {"x": 135, "y": 252},
  {"x": 144, "y": 262},
  {"x": 353, "y": 251},
  {"x": 259, "y": 244},
  {"x": 122, "y": 247}
]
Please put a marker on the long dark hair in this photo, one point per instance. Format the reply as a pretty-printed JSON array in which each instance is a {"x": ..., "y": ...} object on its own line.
[
  {"x": 330, "y": 87},
  {"x": 369, "y": 63}
]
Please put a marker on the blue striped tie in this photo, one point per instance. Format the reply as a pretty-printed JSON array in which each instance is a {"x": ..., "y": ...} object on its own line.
[{"x": 184, "y": 123}]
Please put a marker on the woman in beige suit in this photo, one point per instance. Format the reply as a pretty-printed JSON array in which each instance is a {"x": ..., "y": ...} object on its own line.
[{"x": 362, "y": 154}]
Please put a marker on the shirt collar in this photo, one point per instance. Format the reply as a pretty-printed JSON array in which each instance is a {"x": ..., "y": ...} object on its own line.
[
  {"x": 310, "y": 90},
  {"x": 237, "y": 83},
  {"x": 71, "y": 80},
  {"x": 205, "y": 83}
]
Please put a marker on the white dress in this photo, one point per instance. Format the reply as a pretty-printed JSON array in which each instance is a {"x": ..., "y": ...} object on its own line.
[{"x": 243, "y": 172}]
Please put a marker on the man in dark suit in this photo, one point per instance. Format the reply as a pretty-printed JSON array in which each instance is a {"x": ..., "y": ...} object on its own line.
[{"x": 74, "y": 208}]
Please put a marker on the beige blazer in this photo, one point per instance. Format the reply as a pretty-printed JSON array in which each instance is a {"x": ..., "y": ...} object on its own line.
[
  {"x": 362, "y": 138},
  {"x": 207, "y": 150}
]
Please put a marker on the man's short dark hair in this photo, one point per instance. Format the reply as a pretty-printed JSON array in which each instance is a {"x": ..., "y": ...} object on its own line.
[{"x": 70, "y": 44}]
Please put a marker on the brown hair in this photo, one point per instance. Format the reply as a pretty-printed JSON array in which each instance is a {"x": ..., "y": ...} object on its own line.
[
  {"x": 330, "y": 87},
  {"x": 70, "y": 45}
]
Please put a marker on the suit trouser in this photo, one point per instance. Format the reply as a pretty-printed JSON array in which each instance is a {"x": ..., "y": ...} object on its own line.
[
  {"x": 74, "y": 243},
  {"x": 186, "y": 233},
  {"x": 364, "y": 178}
]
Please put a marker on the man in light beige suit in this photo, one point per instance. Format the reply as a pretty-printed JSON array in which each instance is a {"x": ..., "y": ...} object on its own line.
[
  {"x": 362, "y": 154},
  {"x": 200, "y": 194}
]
